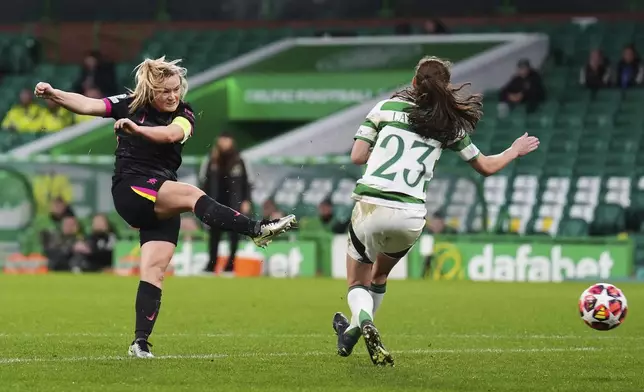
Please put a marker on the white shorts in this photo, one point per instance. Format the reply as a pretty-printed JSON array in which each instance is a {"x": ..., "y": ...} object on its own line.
[{"x": 379, "y": 229}]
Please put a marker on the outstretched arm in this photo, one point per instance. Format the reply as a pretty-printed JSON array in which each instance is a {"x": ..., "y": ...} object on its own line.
[
  {"x": 488, "y": 165},
  {"x": 178, "y": 131},
  {"x": 73, "y": 102}
]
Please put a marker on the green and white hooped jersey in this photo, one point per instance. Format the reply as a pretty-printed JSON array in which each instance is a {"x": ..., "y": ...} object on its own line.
[{"x": 401, "y": 163}]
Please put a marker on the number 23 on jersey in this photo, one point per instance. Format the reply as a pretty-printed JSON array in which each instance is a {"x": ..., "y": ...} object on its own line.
[{"x": 401, "y": 161}]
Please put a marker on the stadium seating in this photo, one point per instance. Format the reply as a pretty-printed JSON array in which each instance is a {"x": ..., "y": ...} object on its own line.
[{"x": 584, "y": 180}]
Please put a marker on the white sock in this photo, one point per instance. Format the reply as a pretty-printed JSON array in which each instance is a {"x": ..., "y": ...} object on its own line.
[
  {"x": 377, "y": 292},
  {"x": 361, "y": 305}
]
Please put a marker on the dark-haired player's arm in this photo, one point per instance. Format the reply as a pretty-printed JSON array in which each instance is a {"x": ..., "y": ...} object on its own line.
[
  {"x": 488, "y": 165},
  {"x": 73, "y": 102},
  {"x": 360, "y": 152},
  {"x": 365, "y": 138}
]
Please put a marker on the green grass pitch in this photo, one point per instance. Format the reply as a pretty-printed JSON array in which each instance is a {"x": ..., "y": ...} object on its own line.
[{"x": 71, "y": 333}]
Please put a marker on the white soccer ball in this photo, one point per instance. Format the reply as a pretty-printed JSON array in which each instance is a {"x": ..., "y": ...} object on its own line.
[{"x": 603, "y": 306}]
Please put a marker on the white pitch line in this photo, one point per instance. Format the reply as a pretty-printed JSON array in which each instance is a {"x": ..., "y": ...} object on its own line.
[
  {"x": 319, "y": 336},
  {"x": 9, "y": 361}
]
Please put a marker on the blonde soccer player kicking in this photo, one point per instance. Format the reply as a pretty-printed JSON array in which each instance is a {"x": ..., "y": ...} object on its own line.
[{"x": 152, "y": 125}]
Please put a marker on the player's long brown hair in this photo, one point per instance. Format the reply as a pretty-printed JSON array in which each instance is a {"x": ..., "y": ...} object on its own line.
[
  {"x": 149, "y": 77},
  {"x": 442, "y": 111}
]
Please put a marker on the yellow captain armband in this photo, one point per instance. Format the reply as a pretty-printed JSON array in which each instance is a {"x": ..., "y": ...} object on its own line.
[{"x": 185, "y": 125}]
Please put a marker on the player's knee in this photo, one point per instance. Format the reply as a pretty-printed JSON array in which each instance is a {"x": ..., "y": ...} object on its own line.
[
  {"x": 195, "y": 192},
  {"x": 181, "y": 195},
  {"x": 153, "y": 274},
  {"x": 194, "y": 196}
]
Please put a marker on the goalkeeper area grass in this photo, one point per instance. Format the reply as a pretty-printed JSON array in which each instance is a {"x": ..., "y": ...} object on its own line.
[{"x": 64, "y": 333}]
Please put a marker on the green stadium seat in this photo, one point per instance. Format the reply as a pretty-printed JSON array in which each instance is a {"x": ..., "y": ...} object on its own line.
[
  {"x": 555, "y": 170},
  {"x": 559, "y": 146},
  {"x": 622, "y": 160},
  {"x": 617, "y": 170},
  {"x": 6, "y": 139},
  {"x": 633, "y": 95},
  {"x": 288, "y": 196},
  {"x": 561, "y": 159},
  {"x": 570, "y": 120},
  {"x": 125, "y": 74},
  {"x": 604, "y": 108},
  {"x": 483, "y": 135},
  {"x": 153, "y": 49},
  {"x": 633, "y": 121},
  {"x": 23, "y": 138},
  {"x": 587, "y": 167},
  {"x": 555, "y": 85},
  {"x": 603, "y": 120},
  {"x": 523, "y": 168},
  {"x": 609, "y": 220},
  {"x": 591, "y": 146},
  {"x": 630, "y": 107},
  {"x": 487, "y": 122},
  {"x": 574, "y": 108},
  {"x": 625, "y": 140},
  {"x": 571, "y": 227}
]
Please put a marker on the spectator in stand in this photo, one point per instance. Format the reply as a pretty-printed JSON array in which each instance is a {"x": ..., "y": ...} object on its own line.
[
  {"x": 91, "y": 93},
  {"x": 63, "y": 246},
  {"x": 101, "y": 242},
  {"x": 325, "y": 221},
  {"x": 630, "y": 71},
  {"x": 54, "y": 117},
  {"x": 270, "y": 210},
  {"x": 96, "y": 252},
  {"x": 596, "y": 73},
  {"x": 59, "y": 209},
  {"x": 227, "y": 182},
  {"x": 525, "y": 88},
  {"x": 23, "y": 116},
  {"x": 96, "y": 74}
]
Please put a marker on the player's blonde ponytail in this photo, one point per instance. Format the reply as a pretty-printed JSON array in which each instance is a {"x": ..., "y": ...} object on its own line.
[{"x": 149, "y": 78}]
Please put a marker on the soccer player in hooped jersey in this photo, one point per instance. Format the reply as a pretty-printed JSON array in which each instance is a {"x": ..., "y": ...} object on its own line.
[
  {"x": 400, "y": 143},
  {"x": 152, "y": 125}
]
